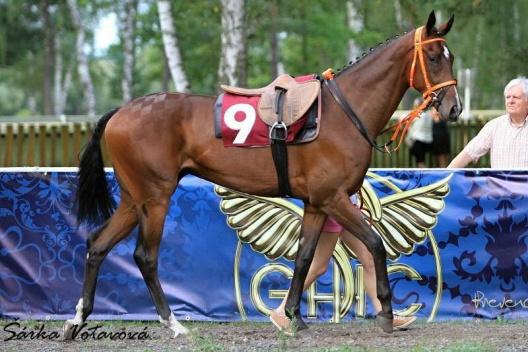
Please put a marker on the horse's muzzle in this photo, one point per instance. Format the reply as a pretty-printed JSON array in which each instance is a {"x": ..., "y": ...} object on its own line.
[{"x": 455, "y": 112}]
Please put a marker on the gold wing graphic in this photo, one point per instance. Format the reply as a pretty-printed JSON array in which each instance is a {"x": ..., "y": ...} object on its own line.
[
  {"x": 272, "y": 225},
  {"x": 403, "y": 218}
]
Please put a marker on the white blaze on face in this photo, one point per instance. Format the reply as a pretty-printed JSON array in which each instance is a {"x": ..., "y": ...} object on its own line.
[{"x": 447, "y": 54}]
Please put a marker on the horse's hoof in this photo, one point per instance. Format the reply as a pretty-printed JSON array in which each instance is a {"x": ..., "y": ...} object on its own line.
[
  {"x": 174, "y": 325},
  {"x": 68, "y": 329},
  {"x": 180, "y": 331},
  {"x": 301, "y": 325},
  {"x": 385, "y": 323}
]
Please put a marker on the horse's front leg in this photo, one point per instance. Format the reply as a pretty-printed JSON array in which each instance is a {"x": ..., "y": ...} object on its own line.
[
  {"x": 313, "y": 221},
  {"x": 351, "y": 218}
]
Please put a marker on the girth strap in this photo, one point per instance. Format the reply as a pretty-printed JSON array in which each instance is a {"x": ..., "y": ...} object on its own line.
[{"x": 278, "y": 135}]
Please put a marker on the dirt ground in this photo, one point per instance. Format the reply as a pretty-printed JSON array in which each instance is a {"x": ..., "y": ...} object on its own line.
[{"x": 354, "y": 336}]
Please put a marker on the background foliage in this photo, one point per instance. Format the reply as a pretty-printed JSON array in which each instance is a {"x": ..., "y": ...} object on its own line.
[{"x": 488, "y": 36}]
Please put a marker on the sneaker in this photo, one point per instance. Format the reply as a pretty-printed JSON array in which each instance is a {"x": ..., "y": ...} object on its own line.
[
  {"x": 400, "y": 322},
  {"x": 282, "y": 322}
]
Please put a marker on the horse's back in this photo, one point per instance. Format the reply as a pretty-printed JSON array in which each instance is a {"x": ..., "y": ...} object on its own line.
[
  {"x": 158, "y": 109},
  {"x": 150, "y": 132}
]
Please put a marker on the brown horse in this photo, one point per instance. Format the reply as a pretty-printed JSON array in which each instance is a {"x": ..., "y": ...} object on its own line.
[{"x": 155, "y": 140}]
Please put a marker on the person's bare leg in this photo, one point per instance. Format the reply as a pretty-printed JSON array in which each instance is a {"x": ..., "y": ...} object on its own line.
[
  {"x": 369, "y": 278},
  {"x": 442, "y": 160},
  {"x": 323, "y": 253},
  {"x": 367, "y": 262}
]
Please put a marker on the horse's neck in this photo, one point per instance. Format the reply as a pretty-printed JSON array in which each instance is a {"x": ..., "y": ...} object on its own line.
[{"x": 375, "y": 86}]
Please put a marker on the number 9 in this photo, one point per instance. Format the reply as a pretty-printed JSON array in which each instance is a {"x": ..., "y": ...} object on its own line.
[{"x": 244, "y": 127}]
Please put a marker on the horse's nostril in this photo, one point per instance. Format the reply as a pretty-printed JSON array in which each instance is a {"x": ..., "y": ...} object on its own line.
[{"x": 454, "y": 113}]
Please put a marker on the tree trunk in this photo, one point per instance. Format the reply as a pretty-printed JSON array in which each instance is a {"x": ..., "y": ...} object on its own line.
[
  {"x": 516, "y": 24},
  {"x": 304, "y": 35},
  {"x": 58, "y": 88},
  {"x": 276, "y": 64},
  {"x": 232, "y": 68},
  {"x": 355, "y": 23},
  {"x": 170, "y": 43},
  {"x": 398, "y": 15},
  {"x": 82, "y": 60},
  {"x": 49, "y": 53},
  {"x": 127, "y": 82},
  {"x": 61, "y": 84},
  {"x": 166, "y": 75}
]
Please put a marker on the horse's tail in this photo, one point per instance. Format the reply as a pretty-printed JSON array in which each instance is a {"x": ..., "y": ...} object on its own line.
[{"x": 94, "y": 201}]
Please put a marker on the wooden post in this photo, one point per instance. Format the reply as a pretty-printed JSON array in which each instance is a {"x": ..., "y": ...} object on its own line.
[
  {"x": 54, "y": 136},
  {"x": 42, "y": 145},
  {"x": 20, "y": 144},
  {"x": 65, "y": 136},
  {"x": 76, "y": 143},
  {"x": 31, "y": 146},
  {"x": 8, "y": 159}
]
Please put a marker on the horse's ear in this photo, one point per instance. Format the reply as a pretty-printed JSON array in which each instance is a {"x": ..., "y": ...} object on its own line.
[
  {"x": 444, "y": 29},
  {"x": 431, "y": 21}
]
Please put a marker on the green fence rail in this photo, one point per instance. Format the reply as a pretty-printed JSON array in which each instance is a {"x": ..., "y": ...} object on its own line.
[{"x": 58, "y": 141}]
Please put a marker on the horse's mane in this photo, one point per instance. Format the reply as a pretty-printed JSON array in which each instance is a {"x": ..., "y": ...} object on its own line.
[{"x": 368, "y": 52}]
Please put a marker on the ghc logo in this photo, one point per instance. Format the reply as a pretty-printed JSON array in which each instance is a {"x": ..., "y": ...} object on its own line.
[
  {"x": 348, "y": 287},
  {"x": 271, "y": 226}
]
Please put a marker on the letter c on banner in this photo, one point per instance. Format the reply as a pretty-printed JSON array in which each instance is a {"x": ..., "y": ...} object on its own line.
[{"x": 243, "y": 127}]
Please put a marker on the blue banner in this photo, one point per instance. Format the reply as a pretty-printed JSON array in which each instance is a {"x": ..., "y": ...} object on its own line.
[{"x": 457, "y": 242}]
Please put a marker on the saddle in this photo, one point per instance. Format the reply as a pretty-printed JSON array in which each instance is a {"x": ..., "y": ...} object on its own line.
[
  {"x": 295, "y": 98},
  {"x": 280, "y": 104}
]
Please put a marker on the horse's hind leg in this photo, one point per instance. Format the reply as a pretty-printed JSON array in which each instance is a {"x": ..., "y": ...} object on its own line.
[
  {"x": 313, "y": 221},
  {"x": 98, "y": 246},
  {"x": 352, "y": 220},
  {"x": 151, "y": 219}
]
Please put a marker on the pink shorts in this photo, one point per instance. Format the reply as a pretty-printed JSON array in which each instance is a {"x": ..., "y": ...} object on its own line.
[{"x": 331, "y": 225}]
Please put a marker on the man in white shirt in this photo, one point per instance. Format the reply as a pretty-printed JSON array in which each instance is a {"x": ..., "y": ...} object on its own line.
[{"x": 505, "y": 137}]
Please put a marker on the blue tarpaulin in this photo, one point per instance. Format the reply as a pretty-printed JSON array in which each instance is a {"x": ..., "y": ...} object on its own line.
[{"x": 473, "y": 263}]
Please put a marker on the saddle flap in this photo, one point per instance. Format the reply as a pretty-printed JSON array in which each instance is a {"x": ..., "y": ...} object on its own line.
[{"x": 297, "y": 100}]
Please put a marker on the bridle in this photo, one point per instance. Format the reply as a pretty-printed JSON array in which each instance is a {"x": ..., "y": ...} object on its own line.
[
  {"x": 431, "y": 95},
  {"x": 431, "y": 92}
]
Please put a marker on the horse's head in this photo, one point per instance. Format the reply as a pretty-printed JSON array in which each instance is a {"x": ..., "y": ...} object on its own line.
[{"x": 431, "y": 70}]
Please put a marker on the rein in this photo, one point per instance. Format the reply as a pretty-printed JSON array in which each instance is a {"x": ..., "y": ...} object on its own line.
[{"x": 431, "y": 96}]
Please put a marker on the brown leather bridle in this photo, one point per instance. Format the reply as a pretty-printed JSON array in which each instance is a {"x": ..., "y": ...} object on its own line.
[
  {"x": 430, "y": 94},
  {"x": 419, "y": 55}
]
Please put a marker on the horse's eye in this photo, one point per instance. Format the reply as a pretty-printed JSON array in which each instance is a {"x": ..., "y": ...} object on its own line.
[{"x": 434, "y": 59}]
